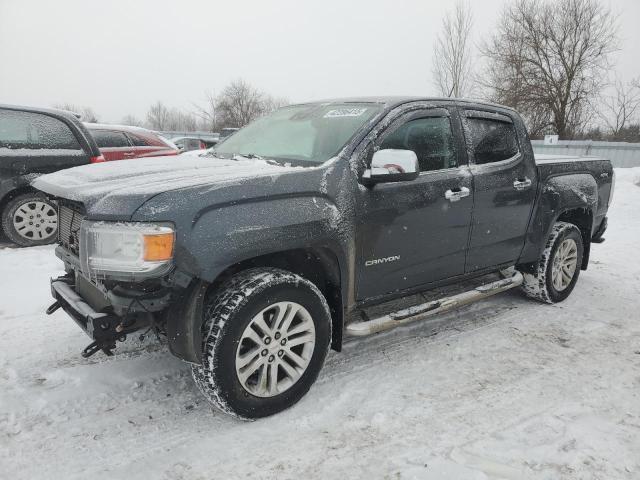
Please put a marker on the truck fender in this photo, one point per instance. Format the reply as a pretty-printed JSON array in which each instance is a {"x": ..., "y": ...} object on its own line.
[
  {"x": 185, "y": 316},
  {"x": 559, "y": 195}
]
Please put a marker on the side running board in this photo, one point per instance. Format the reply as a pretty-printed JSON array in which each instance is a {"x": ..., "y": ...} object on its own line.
[{"x": 419, "y": 312}]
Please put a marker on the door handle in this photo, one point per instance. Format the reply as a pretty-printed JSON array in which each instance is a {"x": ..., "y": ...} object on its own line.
[
  {"x": 456, "y": 194},
  {"x": 522, "y": 184},
  {"x": 129, "y": 154}
]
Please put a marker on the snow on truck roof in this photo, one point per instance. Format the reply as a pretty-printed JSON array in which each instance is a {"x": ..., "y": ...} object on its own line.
[{"x": 391, "y": 101}]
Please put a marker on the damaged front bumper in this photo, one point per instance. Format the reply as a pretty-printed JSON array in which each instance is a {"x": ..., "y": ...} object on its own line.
[
  {"x": 109, "y": 310},
  {"x": 105, "y": 318}
]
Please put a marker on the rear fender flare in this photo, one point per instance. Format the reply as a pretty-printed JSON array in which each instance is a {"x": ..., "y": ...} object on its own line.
[{"x": 558, "y": 195}]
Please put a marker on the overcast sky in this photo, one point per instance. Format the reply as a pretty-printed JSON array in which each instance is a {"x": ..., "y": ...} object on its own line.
[{"x": 121, "y": 56}]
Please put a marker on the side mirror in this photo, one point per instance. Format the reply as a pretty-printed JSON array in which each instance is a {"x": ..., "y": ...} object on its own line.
[{"x": 392, "y": 165}]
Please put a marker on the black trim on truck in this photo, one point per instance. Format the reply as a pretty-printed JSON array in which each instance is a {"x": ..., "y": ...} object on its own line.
[
  {"x": 598, "y": 236},
  {"x": 101, "y": 327}
]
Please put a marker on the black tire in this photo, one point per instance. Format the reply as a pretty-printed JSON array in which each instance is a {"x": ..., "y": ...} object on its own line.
[
  {"x": 539, "y": 285},
  {"x": 33, "y": 238},
  {"x": 228, "y": 312}
]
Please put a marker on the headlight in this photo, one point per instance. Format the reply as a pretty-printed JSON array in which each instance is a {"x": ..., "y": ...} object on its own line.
[{"x": 126, "y": 250}]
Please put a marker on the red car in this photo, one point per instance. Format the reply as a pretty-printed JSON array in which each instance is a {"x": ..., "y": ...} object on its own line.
[{"x": 118, "y": 142}]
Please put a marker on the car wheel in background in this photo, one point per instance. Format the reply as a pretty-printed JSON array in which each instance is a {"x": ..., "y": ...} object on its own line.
[{"x": 30, "y": 219}]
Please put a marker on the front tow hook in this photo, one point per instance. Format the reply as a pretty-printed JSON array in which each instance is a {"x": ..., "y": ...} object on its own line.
[
  {"x": 94, "y": 347},
  {"x": 54, "y": 306}
]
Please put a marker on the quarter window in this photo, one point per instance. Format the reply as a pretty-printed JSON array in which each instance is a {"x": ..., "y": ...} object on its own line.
[
  {"x": 109, "y": 138},
  {"x": 492, "y": 140},
  {"x": 35, "y": 131},
  {"x": 430, "y": 138},
  {"x": 137, "y": 141}
]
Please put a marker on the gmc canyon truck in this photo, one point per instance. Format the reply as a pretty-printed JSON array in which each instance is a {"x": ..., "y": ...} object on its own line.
[{"x": 317, "y": 222}]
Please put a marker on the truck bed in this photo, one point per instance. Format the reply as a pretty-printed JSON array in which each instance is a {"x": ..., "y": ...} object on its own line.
[
  {"x": 552, "y": 165},
  {"x": 573, "y": 180},
  {"x": 547, "y": 158}
]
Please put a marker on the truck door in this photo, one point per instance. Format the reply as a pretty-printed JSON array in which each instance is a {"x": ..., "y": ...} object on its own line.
[
  {"x": 505, "y": 180},
  {"x": 416, "y": 232}
]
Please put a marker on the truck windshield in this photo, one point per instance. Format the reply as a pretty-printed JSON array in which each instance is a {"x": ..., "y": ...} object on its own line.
[{"x": 311, "y": 133}]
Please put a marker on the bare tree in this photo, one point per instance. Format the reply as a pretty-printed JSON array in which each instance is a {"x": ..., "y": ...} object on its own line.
[
  {"x": 274, "y": 103},
  {"x": 619, "y": 108},
  {"x": 240, "y": 103},
  {"x": 207, "y": 113},
  {"x": 131, "y": 120},
  {"x": 181, "y": 121},
  {"x": 86, "y": 113},
  {"x": 549, "y": 60},
  {"x": 158, "y": 116},
  {"x": 452, "y": 62}
]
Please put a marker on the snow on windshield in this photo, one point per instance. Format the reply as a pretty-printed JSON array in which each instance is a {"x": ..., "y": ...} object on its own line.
[{"x": 311, "y": 133}]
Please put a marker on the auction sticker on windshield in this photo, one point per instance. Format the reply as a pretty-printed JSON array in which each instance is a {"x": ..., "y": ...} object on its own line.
[{"x": 345, "y": 112}]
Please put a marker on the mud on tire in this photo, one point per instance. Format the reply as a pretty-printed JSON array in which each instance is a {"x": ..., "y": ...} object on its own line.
[
  {"x": 540, "y": 285},
  {"x": 229, "y": 313}
]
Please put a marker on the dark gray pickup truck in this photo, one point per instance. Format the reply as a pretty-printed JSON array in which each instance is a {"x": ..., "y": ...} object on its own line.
[{"x": 315, "y": 222}]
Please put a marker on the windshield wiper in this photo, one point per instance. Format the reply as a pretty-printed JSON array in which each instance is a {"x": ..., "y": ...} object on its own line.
[
  {"x": 250, "y": 156},
  {"x": 212, "y": 153},
  {"x": 253, "y": 156}
]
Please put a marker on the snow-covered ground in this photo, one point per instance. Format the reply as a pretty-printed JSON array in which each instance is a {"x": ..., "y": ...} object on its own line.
[{"x": 503, "y": 389}]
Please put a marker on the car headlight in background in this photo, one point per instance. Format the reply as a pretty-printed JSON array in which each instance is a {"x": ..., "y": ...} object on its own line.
[{"x": 126, "y": 250}]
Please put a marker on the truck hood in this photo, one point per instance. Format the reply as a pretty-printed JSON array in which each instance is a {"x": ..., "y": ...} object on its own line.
[{"x": 121, "y": 187}]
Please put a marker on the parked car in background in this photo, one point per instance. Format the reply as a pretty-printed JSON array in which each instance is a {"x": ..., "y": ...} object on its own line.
[
  {"x": 187, "y": 144},
  {"x": 34, "y": 141},
  {"x": 119, "y": 142},
  {"x": 226, "y": 132}
]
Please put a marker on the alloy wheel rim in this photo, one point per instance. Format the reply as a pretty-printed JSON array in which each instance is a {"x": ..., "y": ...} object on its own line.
[
  {"x": 275, "y": 349},
  {"x": 565, "y": 263},
  {"x": 35, "y": 220}
]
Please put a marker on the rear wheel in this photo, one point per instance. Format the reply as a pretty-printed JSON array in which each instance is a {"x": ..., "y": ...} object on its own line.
[
  {"x": 266, "y": 335},
  {"x": 30, "y": 219},
  {"x": 559, "y": 265}
]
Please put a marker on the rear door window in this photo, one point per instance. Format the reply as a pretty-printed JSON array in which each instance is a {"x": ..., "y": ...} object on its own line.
[
  {"x": 492, "y": 140},
  {"x": 110, "y": 139},
  {"x": 29, "y": 130}
]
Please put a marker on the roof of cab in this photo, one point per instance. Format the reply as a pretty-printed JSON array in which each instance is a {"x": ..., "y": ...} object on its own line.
[{"x": 394, "y": 101}]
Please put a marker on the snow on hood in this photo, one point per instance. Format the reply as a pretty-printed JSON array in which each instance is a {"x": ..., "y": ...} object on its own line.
[
  {"x": 151, "y": 175},
  {"x": 195, "y": 153}
]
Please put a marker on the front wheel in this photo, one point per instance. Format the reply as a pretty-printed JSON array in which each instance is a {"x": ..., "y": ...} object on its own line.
[
  {"x": 30, "y": 219},
  {"x": 266, "y": 335},
  {"x": 559, "y": 265}
]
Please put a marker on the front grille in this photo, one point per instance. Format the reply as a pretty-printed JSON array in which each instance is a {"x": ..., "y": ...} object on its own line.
[{"x": 69, "y": 220}]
